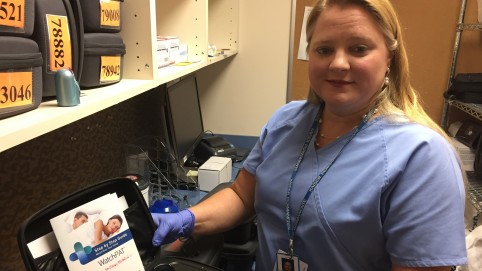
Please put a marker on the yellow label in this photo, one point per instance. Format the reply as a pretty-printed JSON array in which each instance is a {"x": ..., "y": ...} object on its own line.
[
  {"x": 12, "y": 13},
  {"x": 110, "y": 68},
  {"x": 110, "y": 13},
  {"x": 15, "y": 89},
  {"x": 60, "y": 49}
]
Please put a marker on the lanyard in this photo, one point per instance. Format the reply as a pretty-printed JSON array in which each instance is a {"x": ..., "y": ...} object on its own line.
[{"x": 292, "y": 228}]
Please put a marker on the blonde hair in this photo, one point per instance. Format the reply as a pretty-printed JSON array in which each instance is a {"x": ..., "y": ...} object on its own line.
[{"x": 398, "y": 97}]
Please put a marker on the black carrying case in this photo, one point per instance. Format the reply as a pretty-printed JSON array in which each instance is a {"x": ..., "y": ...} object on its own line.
[
  {"x": 190, "y": 254},
  {"x": 20, "y": 75},
  {"x": 17, "y": 18},
  {"x": 53, "y": 18},
  {"x": 466, "y": 88},
  {"x": 98, "y": 70},
  {"x": 102, "y": 16}
]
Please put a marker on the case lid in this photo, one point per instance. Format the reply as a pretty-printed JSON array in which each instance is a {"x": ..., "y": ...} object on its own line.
[
  {"x": 18, "y": 52},
  {"x": 103, "y": 44}
]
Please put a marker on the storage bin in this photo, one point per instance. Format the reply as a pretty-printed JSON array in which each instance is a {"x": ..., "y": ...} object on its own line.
[
  {"x": 58, "y": 31},
  {"x": 20, "y": 75},
  {"x": 102, "y": 16},
  {"x": 103, "y": 59},
  {"x": 17, "y": 18}
]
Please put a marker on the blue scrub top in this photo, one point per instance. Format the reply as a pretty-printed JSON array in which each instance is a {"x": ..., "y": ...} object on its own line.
[{"x": 395, "y": 195}]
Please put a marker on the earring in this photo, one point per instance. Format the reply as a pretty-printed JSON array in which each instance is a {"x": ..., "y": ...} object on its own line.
[{"x": 387, "y": 80}]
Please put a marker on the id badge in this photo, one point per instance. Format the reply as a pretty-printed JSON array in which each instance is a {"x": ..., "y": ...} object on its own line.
[{"x": 284, "y": 262}]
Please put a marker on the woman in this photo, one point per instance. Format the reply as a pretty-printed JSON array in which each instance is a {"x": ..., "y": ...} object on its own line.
[
  {"x": 103, "y": 232},
  {"x": 95, "y": 232},
  {"x": 356, "y": 178}
]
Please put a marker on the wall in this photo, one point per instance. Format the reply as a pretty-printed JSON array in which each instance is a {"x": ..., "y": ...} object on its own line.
[
  {"x": 239, "y": 95},
  {"x": 429, "y": 31}
]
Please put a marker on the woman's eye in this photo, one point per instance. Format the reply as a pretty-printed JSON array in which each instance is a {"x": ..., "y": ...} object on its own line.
[
  {"x": 361, "y": 49},
  {"x": 323, "y": 50}
]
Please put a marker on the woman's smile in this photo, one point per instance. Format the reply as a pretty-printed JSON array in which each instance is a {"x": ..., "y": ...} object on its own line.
[{"x": 339, "y": 83}]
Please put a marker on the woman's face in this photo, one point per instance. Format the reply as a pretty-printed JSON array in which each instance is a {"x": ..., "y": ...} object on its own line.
[
  {"x": 348, "y": 58},
  {"x": 113, "y": 225},
  {"x": 287, "y": 266}
]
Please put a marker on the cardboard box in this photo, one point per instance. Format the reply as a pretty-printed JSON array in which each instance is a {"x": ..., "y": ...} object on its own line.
[{"x": 214, "y": 171}]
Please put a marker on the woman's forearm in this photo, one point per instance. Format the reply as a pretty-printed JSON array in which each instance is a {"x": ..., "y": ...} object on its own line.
[{"x": 226, "y": 208}]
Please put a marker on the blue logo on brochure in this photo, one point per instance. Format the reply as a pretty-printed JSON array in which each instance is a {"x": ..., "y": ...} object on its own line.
[
  {"x": 80, "y": 253},
  {"x": 87, "y": 254}
]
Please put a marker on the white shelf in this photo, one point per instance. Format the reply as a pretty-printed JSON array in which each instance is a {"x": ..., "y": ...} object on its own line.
[
  {"x": 223, "y": 19},
  {"x": 196, "y": 23},
  {"x": 172, "y": 72},
  {"x": 48, "y": 117}
]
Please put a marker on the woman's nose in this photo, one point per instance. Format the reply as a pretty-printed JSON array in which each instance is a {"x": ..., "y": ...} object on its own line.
[{"x": 339, "y": 62}]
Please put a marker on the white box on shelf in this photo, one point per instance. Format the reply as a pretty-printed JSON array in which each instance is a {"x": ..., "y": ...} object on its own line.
[
  {"x": 183, "y": 54},
  {"x": 214, "y": 171},
  {"x": 171, "y": 43},
  {"x": 163, "y": 58}
]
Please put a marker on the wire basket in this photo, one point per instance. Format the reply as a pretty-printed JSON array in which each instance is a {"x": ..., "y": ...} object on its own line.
[{"x": 150, "y": 158}]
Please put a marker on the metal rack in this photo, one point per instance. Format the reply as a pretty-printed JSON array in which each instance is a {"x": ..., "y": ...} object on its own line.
[
  {"x": 150, "y": 158},
  {"x": 474, "y": 186},
  {"x": 474, "y": 194},
  {"x": 474, "y": 110},
  {"x": 461, "y": 26}
]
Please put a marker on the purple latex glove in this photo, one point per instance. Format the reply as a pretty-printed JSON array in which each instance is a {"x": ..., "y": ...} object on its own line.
[{"x": 171, "y": 226}]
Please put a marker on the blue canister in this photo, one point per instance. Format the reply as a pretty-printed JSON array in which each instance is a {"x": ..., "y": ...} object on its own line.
[
  {"x": 164, "y": 206},
  {"x": 66, "y": 88}
]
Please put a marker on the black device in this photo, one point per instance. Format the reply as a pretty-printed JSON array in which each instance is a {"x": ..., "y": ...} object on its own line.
[
  {"x": 214, "y": 146},
  {"x": 184, "y": 118},
  {"x": 466, "y": 88},
  {"x": 469, "y": 133},
  {"x": 188, "y": 141}
]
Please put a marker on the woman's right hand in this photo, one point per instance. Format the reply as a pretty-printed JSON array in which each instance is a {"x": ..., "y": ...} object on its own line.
[{"x": 171, "y": 226}]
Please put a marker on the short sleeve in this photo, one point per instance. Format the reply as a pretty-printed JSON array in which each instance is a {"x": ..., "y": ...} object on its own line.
[{"x": 423, "y": 208}]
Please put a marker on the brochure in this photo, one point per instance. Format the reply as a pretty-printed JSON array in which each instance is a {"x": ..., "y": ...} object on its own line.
[{"x": 96, "y": 236}]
